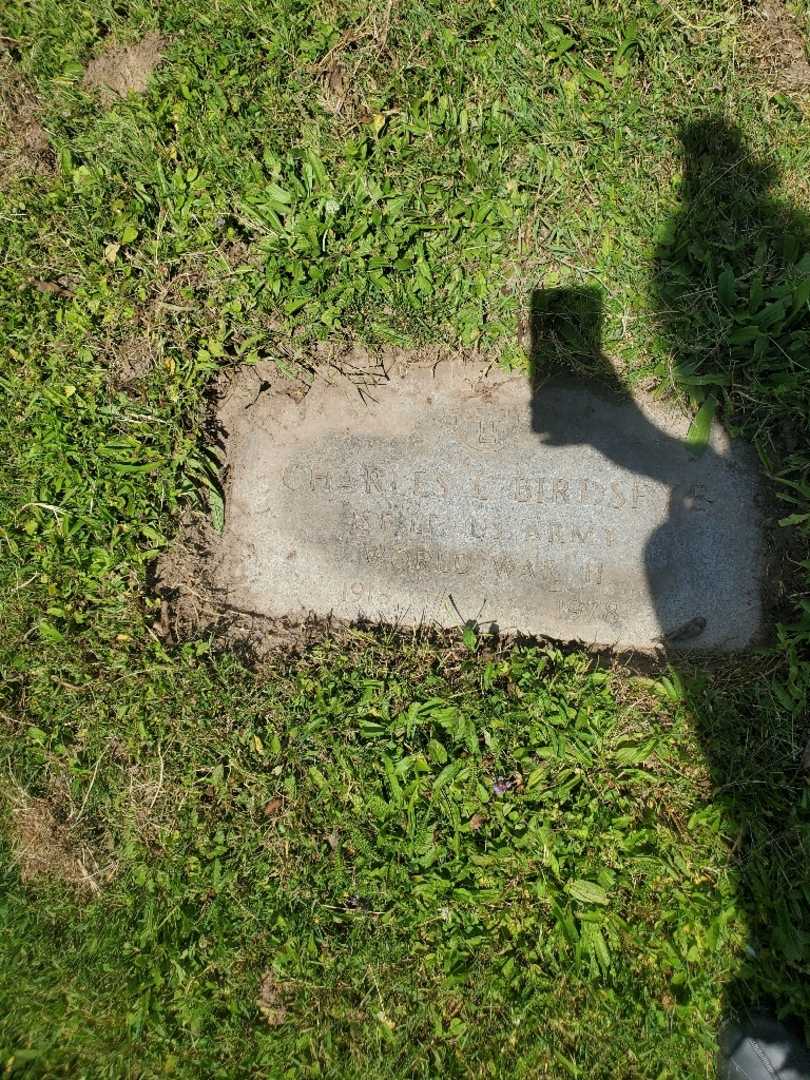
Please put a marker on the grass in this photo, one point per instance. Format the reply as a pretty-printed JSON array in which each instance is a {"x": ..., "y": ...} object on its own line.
[
  {"x": 433, "y": 857},
  {"x": 388, "y": 856}
]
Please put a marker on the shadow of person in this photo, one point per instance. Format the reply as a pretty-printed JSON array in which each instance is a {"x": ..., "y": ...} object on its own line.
[{"x": 728, "y": 286}]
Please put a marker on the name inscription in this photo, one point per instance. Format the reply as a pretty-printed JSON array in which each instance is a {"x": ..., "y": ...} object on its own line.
[{"x": 428, "y": 484}]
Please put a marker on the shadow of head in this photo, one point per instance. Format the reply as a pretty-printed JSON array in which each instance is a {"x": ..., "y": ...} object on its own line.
[
  {"x": 719, "y": 169},
  {"x": 726, "y": 220},
  {"x": 566, "y": 349}
]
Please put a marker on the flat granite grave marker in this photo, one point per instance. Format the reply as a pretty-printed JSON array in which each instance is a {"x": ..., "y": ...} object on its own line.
[{"x": 443, "y": 495}]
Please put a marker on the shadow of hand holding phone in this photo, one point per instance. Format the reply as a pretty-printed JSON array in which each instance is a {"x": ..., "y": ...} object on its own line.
[{"x": 566, "y": 329}]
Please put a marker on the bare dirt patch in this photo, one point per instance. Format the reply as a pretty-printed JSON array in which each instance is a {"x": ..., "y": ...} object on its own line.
[
  {"x": 343, "y": 71},
  {"x": 779, "y": 46},
  {"x": 47, "y": 849},
  {"x": 24, "y": 146},
  {"x": 271, "y": 1000},
  {"x": 124, "y": 69},
  {"x": 130, "y": 362}
]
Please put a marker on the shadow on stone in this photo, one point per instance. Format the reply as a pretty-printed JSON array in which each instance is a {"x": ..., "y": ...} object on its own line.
[{"x": 701, "y": 559}]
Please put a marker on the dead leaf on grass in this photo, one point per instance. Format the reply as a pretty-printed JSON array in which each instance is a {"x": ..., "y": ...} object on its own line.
[
  {"x": 52, "y": 287},
  {"x": 334, "y": 88}
]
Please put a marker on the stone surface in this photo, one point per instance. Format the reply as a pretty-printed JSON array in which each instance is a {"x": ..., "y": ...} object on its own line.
[{"x": 442, "y": 495}]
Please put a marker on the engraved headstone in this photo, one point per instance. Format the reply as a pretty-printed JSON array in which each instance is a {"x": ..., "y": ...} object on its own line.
[{"x": 444, "y": 494}]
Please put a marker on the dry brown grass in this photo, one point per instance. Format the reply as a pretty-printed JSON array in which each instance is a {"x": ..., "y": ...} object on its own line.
[
  {"x": 56, "y": 837},
  {"x": 131, "y": 361},
  {"x": 24, "y": 146},
  {"x": 123, "y": 69},
  {"x": 47, "y": 849}
]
